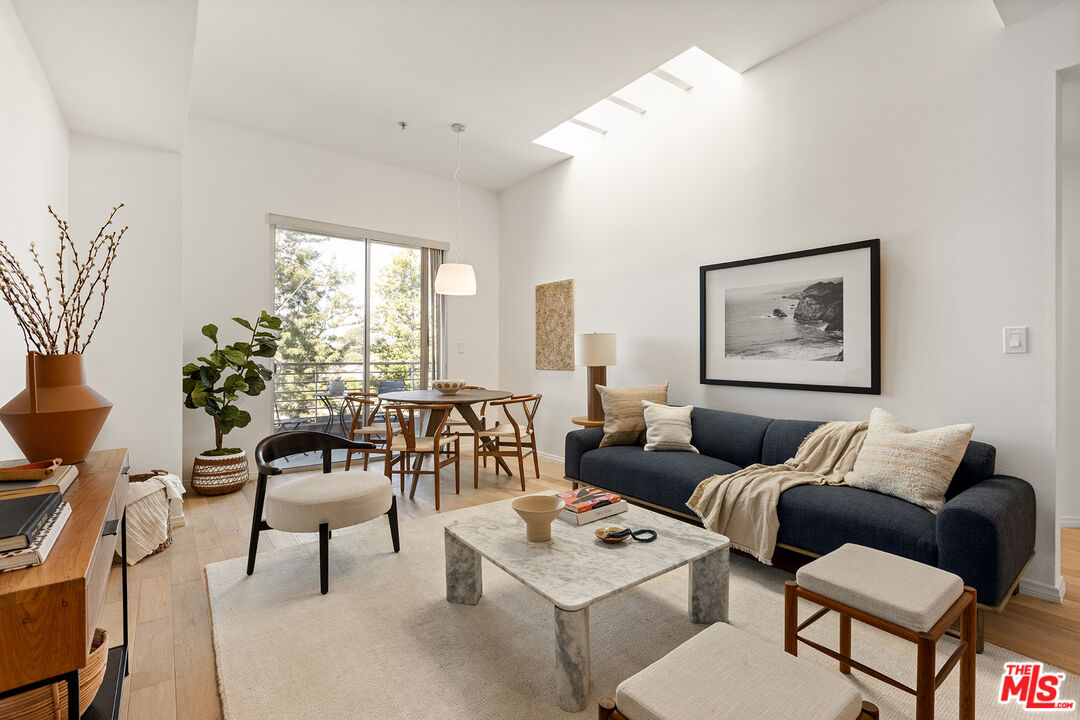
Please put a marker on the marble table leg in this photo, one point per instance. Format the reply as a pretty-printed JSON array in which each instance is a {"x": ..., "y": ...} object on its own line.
[
  {"x": 464, "y": 576},
  {"x": 709, "y": 587},
  {"x": 572, "y": 658}
]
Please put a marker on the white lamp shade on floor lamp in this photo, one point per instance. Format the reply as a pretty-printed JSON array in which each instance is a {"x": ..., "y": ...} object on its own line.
[
  {"x": 455, "y": 279},
  {"x": 596, "y": 349}
]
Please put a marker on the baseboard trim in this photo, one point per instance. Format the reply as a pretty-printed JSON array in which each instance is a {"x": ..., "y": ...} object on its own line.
[
  {"x": 552, "y": 458},
  {"x": 1070, "y": 521},
  {"x": 1054, "y": 593}
]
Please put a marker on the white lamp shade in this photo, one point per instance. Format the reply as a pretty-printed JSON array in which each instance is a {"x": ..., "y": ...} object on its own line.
[
  {"x": 595, "y": 349},
  {"x": 455, "y": 279}
]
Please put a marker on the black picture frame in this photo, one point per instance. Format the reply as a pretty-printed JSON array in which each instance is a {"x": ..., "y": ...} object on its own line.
[{"x": 874, "y": 282}]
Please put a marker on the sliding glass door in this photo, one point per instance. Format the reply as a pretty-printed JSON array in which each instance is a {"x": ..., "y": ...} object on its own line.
[{"x": 357, "y": 314}]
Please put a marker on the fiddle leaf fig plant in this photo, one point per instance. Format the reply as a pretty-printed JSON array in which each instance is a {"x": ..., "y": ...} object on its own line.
[{"x": 215, "y": 383}]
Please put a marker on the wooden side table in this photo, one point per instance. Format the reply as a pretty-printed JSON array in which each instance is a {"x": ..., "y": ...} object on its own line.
[{"x": 586, "y": 422}]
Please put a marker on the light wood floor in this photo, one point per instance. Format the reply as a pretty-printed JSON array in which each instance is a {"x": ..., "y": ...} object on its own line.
[{"x": 172, "y": 656}]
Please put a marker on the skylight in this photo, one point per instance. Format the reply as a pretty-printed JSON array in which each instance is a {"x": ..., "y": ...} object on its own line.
[{"x": 586, "y": 130}]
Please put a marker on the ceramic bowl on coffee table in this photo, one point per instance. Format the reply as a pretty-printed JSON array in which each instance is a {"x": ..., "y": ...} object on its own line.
[{"x": 538, "y": 512}]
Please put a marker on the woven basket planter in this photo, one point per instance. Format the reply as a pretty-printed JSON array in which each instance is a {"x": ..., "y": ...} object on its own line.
[
  {"x": 219, "y": 475},
  {"x": 50, "y": 702}
]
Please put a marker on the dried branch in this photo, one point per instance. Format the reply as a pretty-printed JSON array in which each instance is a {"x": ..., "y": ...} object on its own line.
[{"x": 43, "y": 322}]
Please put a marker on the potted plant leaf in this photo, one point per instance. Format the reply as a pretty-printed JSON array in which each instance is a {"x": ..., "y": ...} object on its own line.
[{"x": 215, "y": 384}]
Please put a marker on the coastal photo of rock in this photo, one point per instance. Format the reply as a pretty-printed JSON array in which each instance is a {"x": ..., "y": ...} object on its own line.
[{"x": 794, "y": 321}]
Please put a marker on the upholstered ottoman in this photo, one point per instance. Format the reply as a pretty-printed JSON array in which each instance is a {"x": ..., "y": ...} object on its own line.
[
  {"x": 322, "y": 502},
  {"x": 908, "y": 599},
  {"x": 724, "y": 673}
]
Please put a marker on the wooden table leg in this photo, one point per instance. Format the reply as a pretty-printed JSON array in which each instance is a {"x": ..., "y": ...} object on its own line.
[{"x": 474, "y": 422}]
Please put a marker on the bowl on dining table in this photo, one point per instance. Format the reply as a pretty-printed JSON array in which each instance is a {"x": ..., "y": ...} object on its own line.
[
  {"x": 538, "y": 512},
  {"x": 448, "y": 386}
]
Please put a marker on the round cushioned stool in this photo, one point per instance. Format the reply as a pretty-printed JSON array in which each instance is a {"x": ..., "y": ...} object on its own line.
[{"x": 317, "y": 501}]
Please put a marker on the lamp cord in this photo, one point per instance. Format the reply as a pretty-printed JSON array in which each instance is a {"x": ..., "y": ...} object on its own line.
[{"x": 457, "y": 211}]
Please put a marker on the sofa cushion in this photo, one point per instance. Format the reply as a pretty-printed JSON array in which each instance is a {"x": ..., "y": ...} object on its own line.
[
  {"x": 783, "y": 437},
  {"x": 821, "y": 518},
  {"x": 665, "y": 479},
  {"x": 730, "y": 436},
  {"x": 977, "y": 465}
]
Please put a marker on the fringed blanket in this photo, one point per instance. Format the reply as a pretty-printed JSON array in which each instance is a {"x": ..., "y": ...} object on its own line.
[{"x": 742, "y": 505}]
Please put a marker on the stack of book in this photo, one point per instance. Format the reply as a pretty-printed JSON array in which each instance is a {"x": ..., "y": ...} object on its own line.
[
  {"x": 587, "y": 504},
  {"x": 30, "y": 521}
]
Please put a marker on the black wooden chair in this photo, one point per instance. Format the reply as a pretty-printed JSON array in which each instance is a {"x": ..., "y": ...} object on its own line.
[{"x": 317, "y": 502}]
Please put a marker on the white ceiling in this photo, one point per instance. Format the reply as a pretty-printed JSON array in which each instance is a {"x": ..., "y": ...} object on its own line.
[
  {"x": 1012, "y": 11},
  {"x": 341, "y": 74},
  {"x": 118, "y": 68}
]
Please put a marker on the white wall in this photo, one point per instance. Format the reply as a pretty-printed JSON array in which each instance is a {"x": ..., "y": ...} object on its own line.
[
  {"x": 921, "y": 122},
  {"x": 33, "y": 175},
  {"x": 1068, "y": 460},
  {"x": 134, "y": 359},
  {"x": 234, "y": 177}
]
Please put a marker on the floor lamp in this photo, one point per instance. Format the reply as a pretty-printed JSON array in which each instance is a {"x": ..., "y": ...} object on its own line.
[{"x": 596, "y": 351}]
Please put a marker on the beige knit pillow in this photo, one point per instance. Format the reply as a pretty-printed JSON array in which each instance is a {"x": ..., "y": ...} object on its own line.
[
  {"x": 624, "y": 420},
  {"x": 667, "y": 428},
  {"x": 912, "y": 465}
]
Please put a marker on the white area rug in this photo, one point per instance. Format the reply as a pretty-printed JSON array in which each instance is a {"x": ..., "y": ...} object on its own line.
[{"x": 384, "y": 643}]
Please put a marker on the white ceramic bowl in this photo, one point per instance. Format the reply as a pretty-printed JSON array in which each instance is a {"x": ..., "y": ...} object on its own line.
[
  {"x": 538, "y": 512},
  {"x": 448, "y": 387}
]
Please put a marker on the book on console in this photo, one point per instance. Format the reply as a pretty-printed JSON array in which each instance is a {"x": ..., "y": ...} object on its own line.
[
  {"x": 42, "y": 544},
  {"x": 62, "y": 477},
  {"x": 23, "y": 513}
]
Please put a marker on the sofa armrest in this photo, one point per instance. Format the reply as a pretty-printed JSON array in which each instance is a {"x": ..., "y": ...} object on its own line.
[
  {"x": 986, "y": 535},
  {"x": 579, "y": 442}
]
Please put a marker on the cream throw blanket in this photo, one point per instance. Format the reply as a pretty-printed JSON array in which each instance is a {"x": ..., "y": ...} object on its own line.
[{"x": 742, "y": 505}]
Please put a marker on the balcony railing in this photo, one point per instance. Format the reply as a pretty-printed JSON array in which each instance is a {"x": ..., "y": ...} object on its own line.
[{"x": 297, "y": 386}]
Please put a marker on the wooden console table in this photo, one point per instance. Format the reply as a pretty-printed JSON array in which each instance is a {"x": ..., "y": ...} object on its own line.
[{"x": 48, "y": 613}]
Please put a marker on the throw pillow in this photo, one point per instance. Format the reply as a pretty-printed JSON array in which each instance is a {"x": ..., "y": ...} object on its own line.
[
  {"x": 624, "y": 420},
  {"x": 667, "y": 427},
  {"x": 912, "y": 465}
]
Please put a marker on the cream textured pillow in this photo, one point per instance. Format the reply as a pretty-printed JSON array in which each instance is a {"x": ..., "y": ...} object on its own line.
[
  {"x": 624, "y": 420},
  {"x": 667, "y": 427},
  {"x": 912, "y": 465}
]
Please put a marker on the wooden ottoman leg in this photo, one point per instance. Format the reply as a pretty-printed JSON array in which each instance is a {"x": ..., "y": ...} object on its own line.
[
  {"x": 608, "y": 711},
  {"x": 845, "y": 642},
  {"x": 869, "y": 711},
  {"x": 924, "y": 682},
  {"x": 791, "y": 617},
  {"x": 968, "y": 624}
]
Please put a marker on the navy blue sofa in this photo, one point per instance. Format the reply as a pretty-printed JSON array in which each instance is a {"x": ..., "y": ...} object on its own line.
[{"x": 985, "y": 533}]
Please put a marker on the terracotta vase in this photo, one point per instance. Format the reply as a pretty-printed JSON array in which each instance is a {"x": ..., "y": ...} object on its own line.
[{"x": 57, "y": 415}]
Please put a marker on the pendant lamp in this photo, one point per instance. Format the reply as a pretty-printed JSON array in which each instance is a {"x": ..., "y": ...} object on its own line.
[{"x": 456, "y": 278}]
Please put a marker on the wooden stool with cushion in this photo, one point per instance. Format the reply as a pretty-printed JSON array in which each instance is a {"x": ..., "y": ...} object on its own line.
[
  {"x": 906, "y": 598},
  {"x": 317, "y": 501},
  {"x": 724, "y": 673}
]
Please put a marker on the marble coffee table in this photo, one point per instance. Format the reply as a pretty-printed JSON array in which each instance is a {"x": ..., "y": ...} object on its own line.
[{"x": 574, "y": 569}]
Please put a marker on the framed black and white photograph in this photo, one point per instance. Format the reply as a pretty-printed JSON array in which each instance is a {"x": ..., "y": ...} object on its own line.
[{"x": 806, "y": 320}]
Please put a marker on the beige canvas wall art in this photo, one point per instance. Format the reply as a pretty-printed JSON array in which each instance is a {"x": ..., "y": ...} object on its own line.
[{"x": 555, "y": 326}]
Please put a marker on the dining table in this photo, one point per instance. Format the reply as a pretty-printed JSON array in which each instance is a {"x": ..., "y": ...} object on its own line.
[{"x": 462, "y": 400}]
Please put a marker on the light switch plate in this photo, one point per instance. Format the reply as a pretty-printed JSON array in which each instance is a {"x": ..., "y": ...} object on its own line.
[
  {"x": 461, "y": 348},
  {"x": 1014, "y": 340}
]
